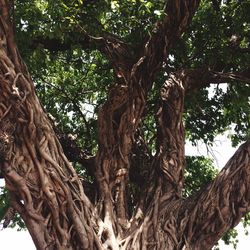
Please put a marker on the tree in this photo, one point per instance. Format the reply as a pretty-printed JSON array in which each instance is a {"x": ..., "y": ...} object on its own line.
[{"x": 129, "y": 194}]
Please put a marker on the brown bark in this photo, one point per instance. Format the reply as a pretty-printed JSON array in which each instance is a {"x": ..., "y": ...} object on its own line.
[
  {"x": 48, "y": 194},
  {"x": 203, "y": 77},
  {"x": 220, "y": 205},
  {"x": 171, "y": 134},
  {"x": 169, "y": 221},
  {"x": 44, "y": 187},
  {"x": 119, "y": 117}
]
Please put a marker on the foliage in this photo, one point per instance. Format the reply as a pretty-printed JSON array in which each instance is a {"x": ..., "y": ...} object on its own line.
[
  {"x": 72, "y": 80},
  {"x": 4, "y": 202},
  {"x": 210, "y": 33},
  {"x": 199, "y": 172}
]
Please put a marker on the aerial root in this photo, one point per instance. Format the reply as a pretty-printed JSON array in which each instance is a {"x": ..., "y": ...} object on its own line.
[{"x": 17, "y": 183}]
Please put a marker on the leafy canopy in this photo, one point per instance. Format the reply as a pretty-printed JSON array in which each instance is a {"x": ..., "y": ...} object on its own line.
[{"x": 72, "y": 75}]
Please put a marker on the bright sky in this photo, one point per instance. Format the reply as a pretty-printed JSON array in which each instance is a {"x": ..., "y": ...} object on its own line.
[{"x": 10, "y": 239}]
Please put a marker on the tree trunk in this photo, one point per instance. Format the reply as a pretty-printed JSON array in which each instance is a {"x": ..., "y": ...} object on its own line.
[
  {"x": 47, "y": 192},
  {"x": 43, "y": 185}
]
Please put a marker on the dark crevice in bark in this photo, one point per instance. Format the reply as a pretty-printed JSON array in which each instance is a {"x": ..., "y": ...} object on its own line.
[{"x": 76, "y": 154}]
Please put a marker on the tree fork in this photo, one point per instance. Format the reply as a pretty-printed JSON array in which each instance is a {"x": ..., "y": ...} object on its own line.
[
  {"x": 171, "y": 222},
  {"x": 138, "y": 82},
  {"x": 45, "y": 188}
]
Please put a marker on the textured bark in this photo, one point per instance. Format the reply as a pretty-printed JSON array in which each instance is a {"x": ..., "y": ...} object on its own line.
[
  {"x": 171, "y": 134},
  {"x": 165, "y": 220},
  {"x": 202, "y": 77},
  {"x": 221, "y": 204},
  {"x": 44, "y": 187},
  {"x": 48, "y": 194},
  {"x": 120, "y": 115}
]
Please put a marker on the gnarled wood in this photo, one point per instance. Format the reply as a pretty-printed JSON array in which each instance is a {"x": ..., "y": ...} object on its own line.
[
  {"x": 44, "y": 187},
  {"x": 119, "y": 117},
  {"x": 48, "y": 194}
]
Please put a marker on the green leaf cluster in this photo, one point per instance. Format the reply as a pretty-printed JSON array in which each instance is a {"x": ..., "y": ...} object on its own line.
[{"x": 199, "y": 172}]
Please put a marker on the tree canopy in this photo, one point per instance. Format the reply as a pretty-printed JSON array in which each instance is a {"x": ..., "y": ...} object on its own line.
[
  {"x": 62, "y": 45},
  {"x": 78, "y": 52}
]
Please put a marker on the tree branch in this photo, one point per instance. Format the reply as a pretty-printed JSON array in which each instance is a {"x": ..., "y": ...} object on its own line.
[
  {"x": 221, "y": 77},
  {"x": 170, "y": 138},
  {"x": 167, "y": 172},
  {"x": 117, "y": 51},
  {"x": 177, "y": 17},
  {"x": 46, "y": 189},
  {"x": 202, "y": 77},
  {"x": 119, "y": 117},
  {"x": 220, "y": 205}
]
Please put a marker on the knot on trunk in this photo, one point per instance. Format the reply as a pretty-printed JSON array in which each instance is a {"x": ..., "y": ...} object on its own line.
[{"x": 6, "y": 139}]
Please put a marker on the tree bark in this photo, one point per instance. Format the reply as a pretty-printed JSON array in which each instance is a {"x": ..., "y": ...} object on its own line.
[
  {"x": 220, "y": 205},
  {"x": 46, "y": 190},
  {"x": 165, "y": 220},
  {"x": 43, "y": 184},
  {"x": 119, "y": 117}
]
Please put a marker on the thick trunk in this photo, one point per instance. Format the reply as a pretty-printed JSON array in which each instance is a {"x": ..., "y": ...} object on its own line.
[
  {"x": 49, "y": 196},
  {"x": 201, "y": 220},
  {"x": 119, "y": 117},
  {"x": 164, "y": 220},
  {"x": 43, "y": 185},
  {"x": 220, "y": 205}
]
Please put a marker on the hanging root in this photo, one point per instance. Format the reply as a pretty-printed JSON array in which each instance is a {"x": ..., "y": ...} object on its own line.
[{"x": 15, "y": 182}]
